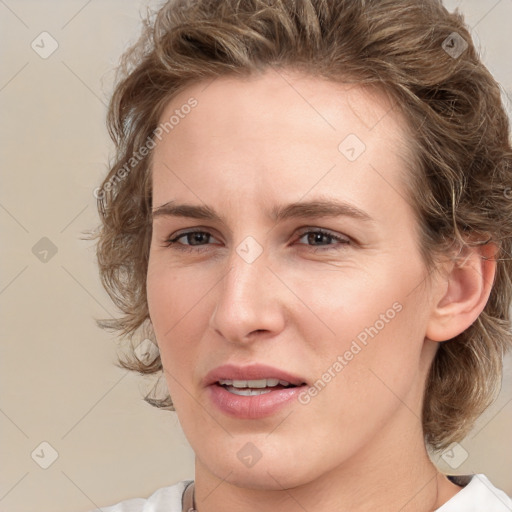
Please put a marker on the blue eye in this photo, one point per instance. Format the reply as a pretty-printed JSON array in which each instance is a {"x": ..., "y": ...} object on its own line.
[{"x": 197, "y": 241}]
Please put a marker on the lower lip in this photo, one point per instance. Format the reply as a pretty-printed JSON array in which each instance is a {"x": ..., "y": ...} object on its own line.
[{"x": 255, "y": 406}]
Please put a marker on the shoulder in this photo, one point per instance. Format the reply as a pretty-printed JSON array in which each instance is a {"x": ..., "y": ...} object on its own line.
[
  {"x": 479, "y": 494},
  {"x": 165, "y": 499}
]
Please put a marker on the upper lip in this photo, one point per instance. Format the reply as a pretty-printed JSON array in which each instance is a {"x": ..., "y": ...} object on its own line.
[{"x": 249, "y": 372}]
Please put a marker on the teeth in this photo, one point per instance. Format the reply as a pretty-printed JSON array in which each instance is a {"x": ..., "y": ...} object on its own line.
[
  {"x": 247, "y": 391},
  {"x": 254, "y": 384}
]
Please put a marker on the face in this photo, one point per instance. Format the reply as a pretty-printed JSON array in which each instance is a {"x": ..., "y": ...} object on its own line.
[{"x": 287, "y": 302}]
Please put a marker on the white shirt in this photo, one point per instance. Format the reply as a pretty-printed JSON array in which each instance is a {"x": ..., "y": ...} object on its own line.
[{"x": 479, "y": 495}]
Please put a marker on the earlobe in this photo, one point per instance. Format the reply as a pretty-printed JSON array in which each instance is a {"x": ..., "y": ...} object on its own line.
[{"x": 465, "y": 290}]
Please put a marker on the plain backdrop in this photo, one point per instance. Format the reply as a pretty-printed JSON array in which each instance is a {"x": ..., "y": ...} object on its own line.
[{"x": 75, "y": 431}]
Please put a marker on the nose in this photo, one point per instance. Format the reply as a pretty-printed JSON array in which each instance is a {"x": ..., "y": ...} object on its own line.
[{"x": 249, "y": 302}]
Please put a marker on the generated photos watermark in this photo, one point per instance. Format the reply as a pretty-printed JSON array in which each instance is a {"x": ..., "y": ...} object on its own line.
[
  {"x": 356, "y": 346},
  {"x": 144, "y": 150}
]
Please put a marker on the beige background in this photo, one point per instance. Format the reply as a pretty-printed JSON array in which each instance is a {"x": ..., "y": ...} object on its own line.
[{"x": 57, "y": 378}]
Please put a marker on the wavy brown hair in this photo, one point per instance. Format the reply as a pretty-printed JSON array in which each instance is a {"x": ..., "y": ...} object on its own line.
[{"x": 423, "y": 57}]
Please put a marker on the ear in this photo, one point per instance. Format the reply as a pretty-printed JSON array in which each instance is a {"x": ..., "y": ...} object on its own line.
[{"x": 464, "y": 291}]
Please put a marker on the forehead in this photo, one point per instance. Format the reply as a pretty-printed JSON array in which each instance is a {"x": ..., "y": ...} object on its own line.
[
  {"x": 276, "y": 96},
  {"x": 283, "y": 133}
]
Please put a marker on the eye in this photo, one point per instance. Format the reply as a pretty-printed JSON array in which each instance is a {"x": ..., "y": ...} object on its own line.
[
  {"x": 198, "y": 241},
  {"x": 315, "y": 236},
  {"x": 194, "y": 241}
]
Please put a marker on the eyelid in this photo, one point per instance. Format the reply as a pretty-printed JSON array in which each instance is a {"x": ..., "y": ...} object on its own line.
[
  {"x": 172, "y": 239},
  {"x": 341, "y": 239}
]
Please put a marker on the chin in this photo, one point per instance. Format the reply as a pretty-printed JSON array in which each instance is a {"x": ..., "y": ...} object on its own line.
[
  {"x": 263, "y": 477},
  {"x": 268, "y": 467}
]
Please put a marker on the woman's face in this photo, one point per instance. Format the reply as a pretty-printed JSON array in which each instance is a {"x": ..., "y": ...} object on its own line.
[{"x": 296, "y": 260}]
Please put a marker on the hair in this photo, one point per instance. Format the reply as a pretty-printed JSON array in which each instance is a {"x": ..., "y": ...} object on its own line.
[{"x": 415, "y": 51}]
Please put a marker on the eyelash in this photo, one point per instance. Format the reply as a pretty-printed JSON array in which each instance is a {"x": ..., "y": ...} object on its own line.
[{"x": 198, "y": 249}]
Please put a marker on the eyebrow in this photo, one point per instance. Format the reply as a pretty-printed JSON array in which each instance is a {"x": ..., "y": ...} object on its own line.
[{"x": 301, "y": 209}]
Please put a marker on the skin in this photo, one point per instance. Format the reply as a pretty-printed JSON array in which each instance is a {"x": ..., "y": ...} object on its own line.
[{"x": 273, "y": 139}]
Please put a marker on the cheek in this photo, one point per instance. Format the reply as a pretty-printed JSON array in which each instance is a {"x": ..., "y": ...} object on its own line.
[
  {"x": 368, "y": 345},
  {"x": 169, "y": 304},
  {"x": 363, "y": 379},
  {"x": 179, "y": 307},
  {"x": 339, "y": 306},
  {"x": 174, "y": 295}
]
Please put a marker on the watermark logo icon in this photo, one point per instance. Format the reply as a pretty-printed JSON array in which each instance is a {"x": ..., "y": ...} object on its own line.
[
  {"x": 249, "y": 249},
  {"x": 44, "y": 455},
  {"x": 44, "y": 250},
  {"x": 455, "y": 455},
  {"x": 44, "y": 45},
  {"x": 352, "y": 147},
  {"x": 249, "y": 455},
  {"x": 454, "y": 45},
  {"x": 146, "y": 351}
]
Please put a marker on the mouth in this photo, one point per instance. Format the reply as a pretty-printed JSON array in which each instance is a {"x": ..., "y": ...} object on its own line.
[
  {"x": 252, "y": 392},
  {"x": 254, "y": 387},
  {"x": 254, "y": 376}
]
